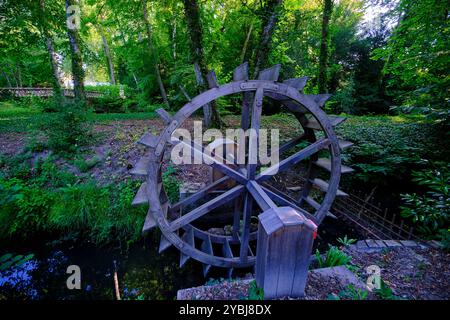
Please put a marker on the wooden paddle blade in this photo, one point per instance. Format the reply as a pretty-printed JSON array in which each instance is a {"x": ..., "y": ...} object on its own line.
[
  {"x": 325, "y": 163},
  {"x": 164, "y": 244},
  {"x": 270, "y": 74},
  {"x": 164, "y": 115},
  {"x": 148, "y": 140},
  {"x": 141, "y": 195},
  {"x": 297, "y": 83},
  {"x": 212, "y": 79},
  {"x": 141, "y": 167},
  {"x": 241, "y": 72}
]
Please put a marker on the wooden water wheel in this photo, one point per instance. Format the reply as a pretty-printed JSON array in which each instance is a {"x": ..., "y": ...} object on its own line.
[{"x": 251, "y": 192}]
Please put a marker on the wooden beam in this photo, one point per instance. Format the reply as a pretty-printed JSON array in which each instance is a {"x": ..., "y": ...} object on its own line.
[
  {"x": 285, "y": 200},
  {"x": 253, "y": 143},
  {"x": 270, "y": 74},
  {"x": 293, "y": 159},
  {"x": 164, "y": 115},
  {"x": 199, "y": 194},
  {"x": 260, "y": 196},
  {"x": 206, "y": 207}
]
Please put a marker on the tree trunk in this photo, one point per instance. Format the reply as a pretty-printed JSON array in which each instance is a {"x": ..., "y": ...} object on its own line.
[
  {"x": 323, "y": 58},
  {"x": 56, "y": 81},
  {"x": 153, "y": 53},
  {"x": 112, "y": 77},
  {"x": 77, "y": 58},
  {"x": 211, "y": 116},
  {"x": 269, "y": 22},
  {"x": 7, "y": 79},
  {"x": 247, "y": 40}
]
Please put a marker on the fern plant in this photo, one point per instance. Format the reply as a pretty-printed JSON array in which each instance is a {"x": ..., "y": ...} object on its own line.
[{"x": 333, "y": 257}]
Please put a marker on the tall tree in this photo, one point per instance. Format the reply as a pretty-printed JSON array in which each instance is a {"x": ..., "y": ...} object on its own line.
[
  {"x": 211, "y": 115},
  {"x": 75, "y": 50},
  {"x": 112, "y": 77},
  {"x": 57, "y": 92},
  {"x": 269, "y": 19},
  {"x": 323, "y": 57},
  {"x": 153, "y": 53}
]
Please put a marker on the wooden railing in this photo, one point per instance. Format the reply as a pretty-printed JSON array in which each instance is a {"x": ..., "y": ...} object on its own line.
[{"x": 45, "y": 92}]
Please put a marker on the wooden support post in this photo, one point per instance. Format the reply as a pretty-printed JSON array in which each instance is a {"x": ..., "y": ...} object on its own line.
[{"x": 285, "y": 239}]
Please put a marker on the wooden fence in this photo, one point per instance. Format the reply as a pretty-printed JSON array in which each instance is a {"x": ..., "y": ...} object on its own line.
[{"x": 44, "y": 92}]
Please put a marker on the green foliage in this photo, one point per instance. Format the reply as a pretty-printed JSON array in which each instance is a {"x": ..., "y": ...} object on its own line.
[
  {"x": 69, "y": 130},
  {"x": 46, "y": 199},
  {"x": 254, "y": 292},
  {"x": 430, "y": 211},
  {"x": 350, "y": 293},
  {"x": 389, "y": 147},
  {"x": 171, "y": 184},
  {"x": 346, "y": 241},
  {"x": 86, "y": 164},
  {"x": 8, "y": 260},
  {"x": 333, "y": 257},
  {"x": 416, "y": 56},
  {"x": 385, "y": 292}
]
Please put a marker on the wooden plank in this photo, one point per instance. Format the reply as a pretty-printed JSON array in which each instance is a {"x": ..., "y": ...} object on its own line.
[
  {"x": 313, "y": 203},
  {"x": 164, "y": 244},
  {"x": 320, "y": 99},
  {"x": 345, "y": 144},
  {"x": 149, "y": 223},
  {"x": 325, "y": 163},
  {"x": 198, "y": 195},
  {"x": 241, "y": 72},
  {"x": 188, "y": 237},
  {"x": 226, "y": 250},
  {"x": 291, "y": 143},
  {"x": 207, "y": 248},
  {"x": 253, "y": 141},
  {"x": 206, "y": 207},
  {"x": 293, "y": 159},
  {"x": 284, "y": 200},
  {"x": 270, "y": 74},
  {"x": 297, "y": 83},
  {"x": 260, "y": 196},
  {"x": 323, "y": 186},
  {"x": 212, "y": 79},
  {"x": 313, "y": 124},
  {"x": 141, "y": 167},
  {"x": 148, "y": 140},
  {"x": 141, "y": 195},
  {"x": 222, "y": 167},
  {"x": 164, "y": 115},
  {"x": 247, "y": 213}
]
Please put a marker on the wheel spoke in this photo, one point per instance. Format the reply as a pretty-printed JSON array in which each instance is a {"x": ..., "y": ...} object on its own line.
[
  {"x": 248, "y": 204},
  {"x": 285, "y": 200},
  {"x": 198, "y": 195},
  {"x": 206, "y": 207},
  {"x": 260, "y": 196},
  {"x": 254, "y": 134},
  {"x": 295, "y": 158},
  {"x": 233, "y": 174}
]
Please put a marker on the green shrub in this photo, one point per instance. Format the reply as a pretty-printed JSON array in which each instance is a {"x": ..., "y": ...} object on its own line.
[
  {"x": 430, "y": 211},
  {"x": 24, "y": 208},
  {"x": 333, "y": 257},
  {"x": 69, "y": 130},
  {"x": 171, "y": 184}
]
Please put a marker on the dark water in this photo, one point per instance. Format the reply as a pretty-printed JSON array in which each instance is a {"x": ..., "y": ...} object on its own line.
[{"x": 143, "y": 273}]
